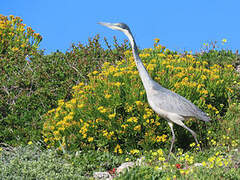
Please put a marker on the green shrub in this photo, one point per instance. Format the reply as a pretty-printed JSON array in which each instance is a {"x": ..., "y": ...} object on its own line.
[
  {"x": 16, "y": 38},
  {"x": 31, "y": 86},
  {"x": 18, "y": 43},
  {"x": 111, "y": 111},
  {"x": 217, "y": 54}
]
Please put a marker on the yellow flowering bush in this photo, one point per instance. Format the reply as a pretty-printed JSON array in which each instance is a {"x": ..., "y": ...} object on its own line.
[
  {"x": 16, "y": 37},
  {"x": 111, "y": 110}
]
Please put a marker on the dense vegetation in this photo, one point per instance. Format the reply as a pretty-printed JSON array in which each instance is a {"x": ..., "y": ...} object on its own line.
[
  {"x": 31, "y": 82},
  {"x": 87, "y": 109},
  {"x": 103, "y": 114}
]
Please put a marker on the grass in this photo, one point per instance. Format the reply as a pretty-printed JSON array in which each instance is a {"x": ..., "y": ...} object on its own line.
[{"x": 32, "y": 162}]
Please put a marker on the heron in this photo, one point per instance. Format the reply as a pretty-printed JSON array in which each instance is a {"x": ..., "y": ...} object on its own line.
[{"x": 169, "y": 105}]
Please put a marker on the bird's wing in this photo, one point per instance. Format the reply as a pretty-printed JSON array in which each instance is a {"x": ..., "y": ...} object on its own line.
[{"x": 174, "y": 103}]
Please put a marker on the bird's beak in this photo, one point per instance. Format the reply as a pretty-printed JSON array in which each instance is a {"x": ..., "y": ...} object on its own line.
[{"x": 109, "y": 25}]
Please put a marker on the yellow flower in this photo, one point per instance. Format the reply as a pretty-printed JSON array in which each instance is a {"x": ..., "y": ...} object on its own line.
[
  {"x": 229, "y": 66},
  {"x": 73, "y": 101},
  {"x": 190, "y": 159},
  {"x": 23, "y": 45},
  {"x": 61, "y": 129},
  {"x": 112, "y": 115},
  {"x": 156, "y": 40},
  {"x": 11, "y": 16},
  {"x": 107, "y": 96},
  {"x": 169, "y": 67},
  {"x": 145, "y": 116},
  {"x": 225, "y": 162},
  {"x": 230, "y": 90},
  {"x": 118, "y": 149},
  {"x": 164, "y": 137},
  {"x": 124, "y": 126},
  {"x": 151, "y": 67},
  {"x": 153, "y": 61},
  {"x": 80, "y": 106},
  {"x": 105, "y": 133},
  {"x": 56, "y": 133},
  {"x": 52, "y": 110},
  {"x": 84, "y": 136},
  {"x": 154, "y": 153},
  {"x": 102, "y": 109},
  {"x": 213, "y": 142},
  {"x": 68, "y": 117},
  {"x": 205, "y": 62},
  {"x": 185, "y": 79},
  {"x": 182, "y": 171},
  {"x": 94, "y": 72},
  {"x": 224, "y": 40},
  {"x": 57, "y": 110},
  {"x": 127, "y": 52},
  {"x": 211, "y": 159},
  {"x": 157, "y": 123},
  {"x": 90, "y": 139},
  {"x": 80, "y": 84},
  {"x": 130, "y": 108},
  {"x": 69, "y": 105},
  {"x": 203, "y": 77},
  {"x": 161, "y": 55},
  {"x": 160, "y": 152},
  {"x": 144, "y": 55},
  {"x": 132, "y": 119},
  {"x": 106, "y": 64},
  {"x": 204, "y": 91},
  {"x": 14, "y": 49},
  {"x": 159, "y": 138},
  {"x": 137, "y": 128},
  {"x": 138, "y": 103},
  {"x": 134, "y": 151},
  {"x": 180, "y": 152},
  {"x": 192, "y": 145},
  {"x": 234, "y": 143},
  {"x": 118, "y": 84},
  {"x": 161, "y": 159},
  {"x": 30, "y": 142},
  {"x": 204, "y": 164},
  {"x": 209, "y": 106}
]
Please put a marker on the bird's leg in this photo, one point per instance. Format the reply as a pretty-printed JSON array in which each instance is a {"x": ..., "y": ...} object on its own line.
[
  {"x": 173, "y": 138},
  {"x": 194, "y": 135}
]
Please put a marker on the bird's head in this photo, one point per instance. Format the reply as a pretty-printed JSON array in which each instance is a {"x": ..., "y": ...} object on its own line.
[
  {"x": 123, "y": 28},
  {"x": 116, "y": 26}
]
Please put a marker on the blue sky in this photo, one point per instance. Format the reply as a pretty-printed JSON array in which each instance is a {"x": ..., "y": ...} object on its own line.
[{"x": 180, "y": 25}]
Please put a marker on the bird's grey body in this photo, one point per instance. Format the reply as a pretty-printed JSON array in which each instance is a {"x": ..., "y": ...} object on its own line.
[
  {"x": 169, "y": 105},
  {"x": 171, "y": 102}
]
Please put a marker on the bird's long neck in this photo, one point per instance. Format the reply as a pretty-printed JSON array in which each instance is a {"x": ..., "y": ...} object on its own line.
[{"x": 146, "y": 79}]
